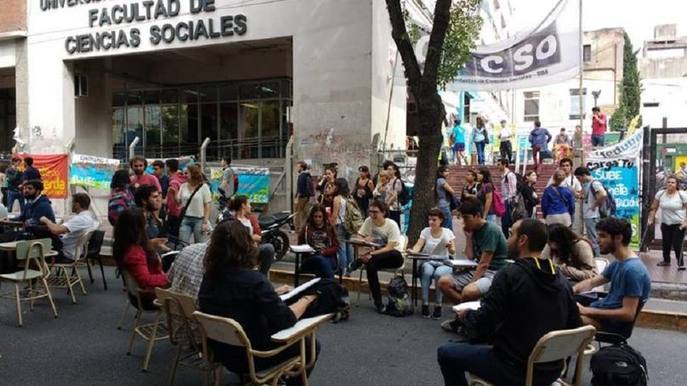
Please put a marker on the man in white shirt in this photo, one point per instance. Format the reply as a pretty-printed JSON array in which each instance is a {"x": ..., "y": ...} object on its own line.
[
  {"x": 506, "y": 147},
  {"x": 73, "y": 229}
]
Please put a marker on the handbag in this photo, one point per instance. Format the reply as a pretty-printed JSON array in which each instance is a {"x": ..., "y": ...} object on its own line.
[{"x": 183, "y": 210}]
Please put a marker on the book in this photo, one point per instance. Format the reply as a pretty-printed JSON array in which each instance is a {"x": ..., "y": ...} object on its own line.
[
  {"x": 304, "y": 248},
  {"x": 285, "y": 297}
]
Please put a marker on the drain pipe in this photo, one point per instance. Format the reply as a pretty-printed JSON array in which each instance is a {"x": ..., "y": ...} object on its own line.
[
  {"x": 203, "y": 150},
  {"x": 133, "y": 144}
]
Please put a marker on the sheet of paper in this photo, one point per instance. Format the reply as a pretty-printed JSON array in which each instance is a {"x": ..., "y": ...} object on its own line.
[
  {"x": 467, "y": 306},
  {"x": 285, "y": 297},
  {"x": 304, "y": 248}
]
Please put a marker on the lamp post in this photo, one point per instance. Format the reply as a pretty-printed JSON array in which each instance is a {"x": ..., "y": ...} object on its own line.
[{"x": 596, "y": 94}]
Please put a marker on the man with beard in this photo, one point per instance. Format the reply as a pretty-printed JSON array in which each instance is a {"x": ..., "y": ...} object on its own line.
[
  {"x": 36, "y": 204},
  {"x": 629, "y": 278},
  {"x": 527, "y": 300},
  {"x": 140, "y": 177}
]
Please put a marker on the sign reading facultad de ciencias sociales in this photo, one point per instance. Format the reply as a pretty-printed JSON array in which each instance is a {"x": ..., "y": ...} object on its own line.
[{"x": 152, "y": 10}]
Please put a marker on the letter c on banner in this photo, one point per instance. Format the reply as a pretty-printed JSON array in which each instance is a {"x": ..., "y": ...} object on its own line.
[
  {"x": 551, "y": 47},
  {"x": 485, "y": 63}
]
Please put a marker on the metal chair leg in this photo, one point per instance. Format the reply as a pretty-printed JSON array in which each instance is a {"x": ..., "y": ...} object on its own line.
[
  {"x": 133, "y": 332},
  {"x": 121, "y": 320},
  {"x": 88, "y": 265},
  {"x": 102, "y": 271},
  {"x": 78, "y": 278},
  {"x": 16, "y": 293},
  {"x": 52, "y": 303},
  {"x": 151, "y": 343},
  {"x": 175, "y": 364}
]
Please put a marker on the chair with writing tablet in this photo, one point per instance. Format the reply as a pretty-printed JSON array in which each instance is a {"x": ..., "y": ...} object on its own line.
[{"x": 396, "y": 271}]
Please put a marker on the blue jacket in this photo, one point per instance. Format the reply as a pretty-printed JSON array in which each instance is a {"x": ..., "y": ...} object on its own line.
[
  {"x": 30, "y": 173},
  {"x": 540, "y": 137},
  {"x": 557, "y": 201},
  {"x": 35, "y": 210}
]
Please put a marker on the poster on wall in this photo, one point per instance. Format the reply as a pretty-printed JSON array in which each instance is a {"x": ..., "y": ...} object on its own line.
[
  {"x": 54, "y": 173},
  {"x": 91, "y": 171},
  {"x": 254, "y": 182}
]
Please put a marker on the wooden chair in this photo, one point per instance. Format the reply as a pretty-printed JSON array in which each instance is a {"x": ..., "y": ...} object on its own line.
[
  {"x": 149, "y": 332},
  {"x": 555, "y": 346},
  {"x": 400, "y": 271},
  {"x": 185, "y": 334},
  {"x": 67, "y": 274},
  {"x": 228, "y": 331},
  {"x": 34, "y": 274}
]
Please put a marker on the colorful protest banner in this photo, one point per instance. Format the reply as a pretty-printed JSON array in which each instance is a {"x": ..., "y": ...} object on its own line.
[
  {"x": 253, "y": 182},
  {"x": 54, "y": 172},
  {"x": 92, "y": 172}
]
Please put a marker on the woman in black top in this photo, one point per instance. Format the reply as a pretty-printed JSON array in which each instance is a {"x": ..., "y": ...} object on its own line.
[
  {"x": 232, "y": 288},
  {"x": 471, "y": 187},
  {"x": 363, "y": 189}
]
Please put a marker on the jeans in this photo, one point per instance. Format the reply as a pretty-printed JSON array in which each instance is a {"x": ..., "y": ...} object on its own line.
[
  {"x": 457, "y": 358},
  {"x": 597, "y": 140},
  {"x": 506, "y": 150},
  {"x": 345, "y": 252},
  {"x": 191, "y": 226},
  {"x": 432, "y": 270},
  {"x": 672, "y": 238},
  {"x": 265, "y": 257},
  {"x": 479, "y": 146},
  {"x": 14, "y": 195},
  {"x": 301, "y": 209},
  {"x": 321, "y": 266},
  {"x": 506, "y": 220},
  {"x": 448, "y": 217},
  {"x": 590, "y": 226},
  {"x": 391, "y": 259},
  {"x": 536, "y": 157}
]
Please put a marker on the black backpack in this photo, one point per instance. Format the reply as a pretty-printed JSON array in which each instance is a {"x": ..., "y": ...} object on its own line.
[
  {"x": 619, "y": 365},
  {"x": 404, "y": 196},
  {"x": 398, "y": 303}
]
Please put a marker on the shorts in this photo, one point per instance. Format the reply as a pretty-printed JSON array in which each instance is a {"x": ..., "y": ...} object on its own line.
[
  {"x": 462, "y": 279},
  {"x": 459, "y": 146}
]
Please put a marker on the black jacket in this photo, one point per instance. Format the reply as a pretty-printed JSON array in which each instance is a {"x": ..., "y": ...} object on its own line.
[
  {"x": 522, "y": 305},
  {"x": 249, "y": 298}
]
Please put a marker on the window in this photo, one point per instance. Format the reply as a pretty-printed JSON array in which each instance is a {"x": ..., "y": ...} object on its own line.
[
  {"x": 587, "y": 53},
  {"x": 575, "y": 107},
  {"x": 531, "y": 112}
]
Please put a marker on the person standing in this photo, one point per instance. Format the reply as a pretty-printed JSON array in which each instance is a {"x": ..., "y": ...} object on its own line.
[
  {"x": 458, "y": 136},
  {"x": 363, "y": 189},
  {"x": 13, "y": 180},
  {"x": 393, "y": 193},
  {"x": 673, "y": 203},
  {"x": 509, "y": 191},
  {"x": 599, "y": 127},
  {"x": 229, "y": 180},
  {"x": 558, "y": 203},
  {"x": 326, "y": 186},
  {"x": 539, "y": 139},
  {"x": 486, "y": 195},
  {"x": 506, "y": 146},
  {"x": 594, "y": 195},
  {"x": 176, "y": 179},
  {"x": 471, "y": 187},
  {"x": 162, "y": 178},
  {"x": 30, "y": 172},
  {"x": 480, "y": 137},
  {"x": 338, "y": 219},
  {"x": 304, "y": 191},
  {"x": 529, "y": 193},
  {"x": 195, "y": 197},
  {"x": 140, "y": 177},
  {"x": 445, "y": 194},
  {"x": 562, "y": 145}
]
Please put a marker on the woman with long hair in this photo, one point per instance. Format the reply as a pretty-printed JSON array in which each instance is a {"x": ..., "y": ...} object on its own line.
[
  {"x": 393, "y": 193},
  {"x": 380, "y": 191},
  {"x": 572, "y": 254},
  {"x": 338, "y": 219},
  {"x": 444, "y": 195},
  {"x": 194, "y": 195},
  {"x": 363, "y": 189},
  {"x": 326, "y": 186},
  {"x": 231, "y": 288},
  {"x": 480, "y": 137},
  {"x": 243, "y": 212},
  {"x": 134, "y": 253},
  {"x": 471, "y": 187},
  {"x": 529, "y": 193},
  {"x": 673, "y": 204},
  {"x": 319, "y": 233},
  {"x": 486, "y": 195},
  {"x": 120, "y": 195}
]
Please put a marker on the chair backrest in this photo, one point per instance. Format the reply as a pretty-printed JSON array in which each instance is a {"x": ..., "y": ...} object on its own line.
[
  {"x": 181, "y": 305},
  {"x": 181, "y": 323},
  {"x": 81, "y": 245},
  {"x": 132, "y": 289},
  {"x": 223, "y": 330},
  {"x": 33, "y": 251},
  {"x": 95, "y": 243},
  {"x": 559, "y": 345}
]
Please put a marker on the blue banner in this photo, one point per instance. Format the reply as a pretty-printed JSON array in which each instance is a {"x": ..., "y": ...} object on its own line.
[
  {"x": 253, "y": 182},
  {"x": 92, "y": 172}
]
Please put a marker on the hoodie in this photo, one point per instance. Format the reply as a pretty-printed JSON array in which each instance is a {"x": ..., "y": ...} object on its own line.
[
  {"x": 525, "y": 302},
  {"x": 34, "y": 210}
]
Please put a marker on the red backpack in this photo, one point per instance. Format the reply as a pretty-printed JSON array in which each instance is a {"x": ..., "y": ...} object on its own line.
[{"x": 497, "y": 202}]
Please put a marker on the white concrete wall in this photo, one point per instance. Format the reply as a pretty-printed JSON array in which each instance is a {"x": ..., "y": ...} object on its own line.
[{"x": 671, "y": 96}]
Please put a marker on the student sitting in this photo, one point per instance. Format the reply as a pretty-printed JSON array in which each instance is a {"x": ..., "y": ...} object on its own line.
[
  {"x": 73, "y": 229},
  {"x": 572, "y": 254},
  {"x": 384, "y": 232},
  {"x": 36, "y": 204},
  {"x": 527, "y": 300},
  {"x": 232, "y": 288},
  {"x": 629, "y": 278},
  {"x": 321, "y": 236},
  {"x": 486, "y": 245},
  {"x": 133, "y": 253},
  {"x": 437, "y": 242},
  {"x": 186, "y": 273},
  {"x": 243, "y": 212}
]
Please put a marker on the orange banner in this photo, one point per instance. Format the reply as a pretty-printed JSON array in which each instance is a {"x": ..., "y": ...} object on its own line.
[{"x": 54, "y": 173}]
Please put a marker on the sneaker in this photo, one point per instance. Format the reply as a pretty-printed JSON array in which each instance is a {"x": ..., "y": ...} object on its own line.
[
  {"x": 436, "y": 315},
  {"x": 381, "y": 309},
  {"x": 663, "y": 264},
  {"x": 425, "y": 311},
  {"x": 450, "y": 325},
  {"x": 353, "y": 266}
]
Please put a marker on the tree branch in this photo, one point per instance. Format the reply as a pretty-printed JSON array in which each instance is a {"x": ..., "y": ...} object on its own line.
[
  {"x": 403, "y": 44},
  {"x": 442, "y": 16}
]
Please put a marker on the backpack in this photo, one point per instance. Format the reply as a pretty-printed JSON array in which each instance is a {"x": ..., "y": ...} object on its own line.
[
  {"x": 331, "y": 298},
  {"x": 618, "y": 365},
  {"x": 497, "y": 202},
  {"x": 117, "y": 204},
  {"x": 518, "y": 210},
  {"x": 404, "y": 196},
  {"x": 398, "y": 301},
  {"x": 608, "y": 208},
  {"x": 353, "y": 218}
]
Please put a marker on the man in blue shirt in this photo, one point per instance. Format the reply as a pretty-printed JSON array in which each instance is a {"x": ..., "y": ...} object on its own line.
[
  {"x": 458, "y": 137},
  {"x": 629, "y": 278}
]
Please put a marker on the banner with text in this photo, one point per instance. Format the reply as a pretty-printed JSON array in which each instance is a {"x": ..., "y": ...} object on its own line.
[
  {"x": 253, "y": 182},
  {"x": 548, "y": 54},
  {"x": 54, "y": 171},
  {"x": 91, "y": 171}
]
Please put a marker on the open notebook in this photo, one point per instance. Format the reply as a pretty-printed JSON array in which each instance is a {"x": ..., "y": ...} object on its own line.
[{"x": 294, "y": 292}]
